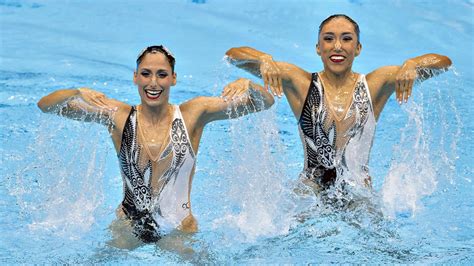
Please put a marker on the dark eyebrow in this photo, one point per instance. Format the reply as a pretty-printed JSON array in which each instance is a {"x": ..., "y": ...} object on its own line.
[
  {"x": 332, "y": 33},
  {"x": 159, "y": 70}
]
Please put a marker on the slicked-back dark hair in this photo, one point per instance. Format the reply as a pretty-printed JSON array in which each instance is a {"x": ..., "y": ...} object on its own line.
[
  {"x": 326, "y": 21},
  {"x": 157, "y": 49}
]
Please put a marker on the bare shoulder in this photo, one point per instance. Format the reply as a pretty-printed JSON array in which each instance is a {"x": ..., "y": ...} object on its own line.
[
  {"x": 193, "y": 109},
  {"x": 120, "y": 115},
  {"x": 295, "y": 81}
]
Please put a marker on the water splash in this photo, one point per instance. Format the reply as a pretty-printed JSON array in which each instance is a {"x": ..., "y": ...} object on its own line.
[
  {"x": 255, "y": 175},
  {"x": 427, "y": 150},
  {"x": 60, "y": 188},
  {"x": 257, "y": 167}
]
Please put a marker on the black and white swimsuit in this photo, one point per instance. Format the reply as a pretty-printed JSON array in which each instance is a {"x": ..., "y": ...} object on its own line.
[
  {"x": 167, "y": 203},
  {"x": 334, "y": 148}
]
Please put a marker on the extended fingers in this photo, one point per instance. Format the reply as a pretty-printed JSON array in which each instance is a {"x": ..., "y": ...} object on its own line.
[
  {"x": 228, "y": 90},
  {"x": 235, "y": 89},
  {"x": 406, "y": 90},
  {"x": 271, "y": 77},
  {"x": 276, "y": 84},
  {"x": 398, "y": 90},
  {"x": 409, "y": 89},
  {"x": 280, "y": 85}
]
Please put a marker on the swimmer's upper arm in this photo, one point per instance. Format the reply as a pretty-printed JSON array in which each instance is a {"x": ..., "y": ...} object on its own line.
[
  {"x": 428, "y": 65},
  {"x": 208, "y": 109},
  {"x": 381, "y": 84},
  {"x": 248, "y": 59},
  {"x": 382, "y": 77},
  {"x": 295, "y": 80}
]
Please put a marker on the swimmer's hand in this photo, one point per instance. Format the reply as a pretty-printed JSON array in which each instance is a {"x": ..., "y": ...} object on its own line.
[
  {"x": 271, "y": 75},
  {"x": 236, "y": 89},
  {"x": 405, "y": 79},
  {"x": 96, "y": 99}
]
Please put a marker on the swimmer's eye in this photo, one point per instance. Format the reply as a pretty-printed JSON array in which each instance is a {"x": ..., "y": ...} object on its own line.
[
  {"x": 328, "y": 38},
  {"x": 145, "y": 74},
  {"x": 162, "y": 75},
  {"x": 347, "y": 38}
]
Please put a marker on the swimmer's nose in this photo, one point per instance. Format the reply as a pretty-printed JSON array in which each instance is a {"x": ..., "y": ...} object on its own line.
[
  {"x": 153, "y": 81},
  {"x": 337, "y": 45}
]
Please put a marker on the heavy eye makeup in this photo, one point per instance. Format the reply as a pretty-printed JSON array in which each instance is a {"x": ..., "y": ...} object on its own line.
[
  {"x": 328, "y": 37},
  {"x": 347, "y": 37},
  {"x": 160, "y": 73}
]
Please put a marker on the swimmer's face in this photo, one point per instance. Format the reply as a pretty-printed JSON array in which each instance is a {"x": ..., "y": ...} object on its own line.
[
  {"x": 338, "y": 45},
  {"x": 154, "y": 78}
]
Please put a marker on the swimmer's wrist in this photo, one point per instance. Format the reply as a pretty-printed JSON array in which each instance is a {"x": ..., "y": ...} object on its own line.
[
  {"x": 411, "y": 62},
  {"x": 252, "y": 87},
  {"x": 81, "y": 90},
  {"x": 265, "y": 57}
]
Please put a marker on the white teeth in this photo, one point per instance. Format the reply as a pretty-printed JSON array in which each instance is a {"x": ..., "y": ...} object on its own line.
[
  {"x": 337, "y": 57},
  {"x": 153, "y": 93}
]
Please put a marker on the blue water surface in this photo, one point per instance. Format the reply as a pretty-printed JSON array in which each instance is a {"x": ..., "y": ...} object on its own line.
[{"x": 60, "y": 183}]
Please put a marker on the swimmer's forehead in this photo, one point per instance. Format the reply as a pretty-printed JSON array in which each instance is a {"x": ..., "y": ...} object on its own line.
[
  {"x": 338, "y": 25},
  {"x": 154, "y": 61}
]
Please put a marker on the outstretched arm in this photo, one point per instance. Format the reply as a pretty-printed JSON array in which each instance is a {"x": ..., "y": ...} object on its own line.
[
  {"x": 262, "y": 65},
  {"x": 400, "y": 79},
  {"x": 80, "y": 104},
  {"x": 279, "y": 76},
  {"x": 239, "y": 98}
]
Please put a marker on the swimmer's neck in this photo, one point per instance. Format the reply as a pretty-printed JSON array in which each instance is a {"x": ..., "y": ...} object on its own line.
[
  {"x": 339, "y": 80},
  {"x": 154, "y": 114}
]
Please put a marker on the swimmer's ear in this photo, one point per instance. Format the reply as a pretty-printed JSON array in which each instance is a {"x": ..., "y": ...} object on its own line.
[
  {"x": 358, "y": 49},
  {"x": 135, "y": 77},
  {"x": 317, "y": 49},
  {"x": 174, "y": 79}
]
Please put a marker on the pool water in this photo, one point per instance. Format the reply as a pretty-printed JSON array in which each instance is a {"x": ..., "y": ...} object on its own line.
[{"x": 60, "y": 181}]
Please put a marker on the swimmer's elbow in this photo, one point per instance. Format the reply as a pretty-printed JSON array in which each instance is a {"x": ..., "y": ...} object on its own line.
[
  {"x": 46, "y": 105},
  {"x": 231, "y": 52},
  {"x": 239, "y": 53},
  {"x": 444, "y": 62},
  {"x": 43, "y": 106},
  {"x": 435, "y": 61},
  {"x": 448, "y": 61}
]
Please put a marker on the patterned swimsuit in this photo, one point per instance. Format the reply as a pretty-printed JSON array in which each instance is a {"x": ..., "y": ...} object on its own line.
[
  {"x": 168, "y": 201},
  {"x": 334, "y": 148}
]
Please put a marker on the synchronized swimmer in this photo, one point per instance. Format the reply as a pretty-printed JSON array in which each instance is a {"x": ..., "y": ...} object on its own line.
[
  {"x": 157, "y": 143},
  {"x": 337, "y": 108}
]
